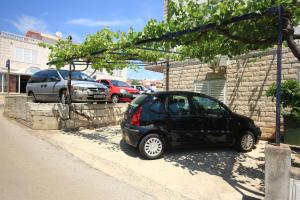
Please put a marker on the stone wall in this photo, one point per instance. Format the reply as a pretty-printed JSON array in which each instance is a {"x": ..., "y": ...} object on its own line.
[
  {"x": 182, "y": 75},
  {"x": 54, "y": 116},
  {"x": 247, "y": 79}
]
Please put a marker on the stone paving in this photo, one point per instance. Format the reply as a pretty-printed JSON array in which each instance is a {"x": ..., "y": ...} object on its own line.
[{"x": 203, "y": 173}]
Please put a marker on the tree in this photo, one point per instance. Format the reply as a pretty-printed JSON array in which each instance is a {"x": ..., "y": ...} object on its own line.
[
  {"x": 116, "y": 50},
  {"x": 135, "y": 82},
  {"x": 236, "y": 38}
]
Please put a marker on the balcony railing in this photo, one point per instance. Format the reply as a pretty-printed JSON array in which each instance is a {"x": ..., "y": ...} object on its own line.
[{"x": 17, "y": 37}]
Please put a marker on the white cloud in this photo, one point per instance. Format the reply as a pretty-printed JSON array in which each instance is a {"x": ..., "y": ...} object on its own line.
[
  {"x": 90, "y": 22},
  {"x": 25, "y": 23}
]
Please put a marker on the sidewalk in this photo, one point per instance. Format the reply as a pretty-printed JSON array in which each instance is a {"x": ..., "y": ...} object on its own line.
[{"x": 214, "y": 173}]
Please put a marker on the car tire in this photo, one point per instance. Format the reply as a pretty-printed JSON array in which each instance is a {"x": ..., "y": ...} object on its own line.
[
  {"x": 115, "y": 98},
  {"x": 152, "y": 146},
  {"x": 31, "y": 94},
  {"x": 245, "y": 142}
]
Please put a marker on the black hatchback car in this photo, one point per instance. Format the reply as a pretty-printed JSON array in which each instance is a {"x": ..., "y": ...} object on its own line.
[{"x": 155, "y": 121}]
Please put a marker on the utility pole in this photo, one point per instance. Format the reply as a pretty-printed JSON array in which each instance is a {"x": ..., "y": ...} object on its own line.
[
  {"x": 167, "y": 74},
  {"x": 278, "y": 80},
  {"x": 166, "y": 18},
  {"x": 8, "y": 75}
]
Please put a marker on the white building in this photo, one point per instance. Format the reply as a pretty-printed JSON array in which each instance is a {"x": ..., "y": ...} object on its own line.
[{"x": 27, "y": 57}]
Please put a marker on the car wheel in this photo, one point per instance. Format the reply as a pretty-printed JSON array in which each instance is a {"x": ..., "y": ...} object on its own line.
[
  {"x": 33, "y": 97},
  {"x": 64, "y": 97},
  {"x": 115, "y": 98},
  {"x": 246, "y": 142},
  {"x": 152, "y": 146}
]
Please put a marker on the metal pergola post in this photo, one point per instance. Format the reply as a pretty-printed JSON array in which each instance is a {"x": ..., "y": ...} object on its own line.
[
  {"x": 69, "y": 96},
  {"x": 278, "y": 81},
  {"x": 167, "y": 74}
]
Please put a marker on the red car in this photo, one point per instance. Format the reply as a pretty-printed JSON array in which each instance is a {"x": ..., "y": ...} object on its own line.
[{"x": 119, "y": 91}]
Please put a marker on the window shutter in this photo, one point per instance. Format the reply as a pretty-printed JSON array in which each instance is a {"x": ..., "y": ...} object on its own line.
[
  {"x": 34, "y": 56},
  {"x": 19, "y": 54},
  {"x": 27, "y": 56},
  {"x": 213, "y": 88},
  {"x": 217, "y": 89},
  {"x": 202, "y": 87}
]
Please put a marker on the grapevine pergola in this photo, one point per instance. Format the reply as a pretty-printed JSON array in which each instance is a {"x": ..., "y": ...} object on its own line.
[{"x": 134, "y": 46}]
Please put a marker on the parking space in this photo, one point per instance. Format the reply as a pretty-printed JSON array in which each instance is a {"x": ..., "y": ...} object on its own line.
[{"x": 203, "y": 173}]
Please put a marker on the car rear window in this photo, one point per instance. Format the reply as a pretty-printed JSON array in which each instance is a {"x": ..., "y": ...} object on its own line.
[
  {"x": 119, "y": 83},
  {"x": 138, "y": 100}
]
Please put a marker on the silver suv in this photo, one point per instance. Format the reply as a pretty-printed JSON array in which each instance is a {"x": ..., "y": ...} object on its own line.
[{"x": 51, "y": 86}]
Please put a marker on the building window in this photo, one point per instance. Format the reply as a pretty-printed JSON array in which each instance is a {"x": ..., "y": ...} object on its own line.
[
  {"x": 26, "y": 55},
  {"x": 213, "y": 88}
]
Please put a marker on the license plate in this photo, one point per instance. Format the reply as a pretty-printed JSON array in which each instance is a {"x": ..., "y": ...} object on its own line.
[{"x": 98, "y": 96}]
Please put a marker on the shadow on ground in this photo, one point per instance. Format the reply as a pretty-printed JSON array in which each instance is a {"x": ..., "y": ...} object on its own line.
[
  {"x": 243, "y": 171},
  {"x": 107, "y": 139}
]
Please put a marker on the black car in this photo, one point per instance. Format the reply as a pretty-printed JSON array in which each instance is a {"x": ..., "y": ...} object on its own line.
[{"x": 155, "y": 121}]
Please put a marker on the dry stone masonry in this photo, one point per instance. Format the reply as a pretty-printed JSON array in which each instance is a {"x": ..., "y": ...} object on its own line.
[
  {"x": 247, "y": 79},
  {"x": 54, "y": 116}
]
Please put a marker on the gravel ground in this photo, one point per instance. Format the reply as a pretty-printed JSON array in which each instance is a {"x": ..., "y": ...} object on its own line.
[{"x": 203, "y": 173}]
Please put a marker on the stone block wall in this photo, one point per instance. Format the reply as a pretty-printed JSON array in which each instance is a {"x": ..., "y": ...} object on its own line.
[
  {"x": 95, "y": 115},
  {"x": 54, "y": 116},
  {"x": 182, "y": 75},
  {"x": 15, "y": 106},
  {"x": 247, "y": 79}
]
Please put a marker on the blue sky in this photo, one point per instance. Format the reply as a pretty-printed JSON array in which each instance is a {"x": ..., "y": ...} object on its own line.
[{"x": 79, "y": 18}]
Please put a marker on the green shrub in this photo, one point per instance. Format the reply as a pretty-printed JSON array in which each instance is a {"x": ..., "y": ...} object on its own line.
[{"x": 290, "y": 96}]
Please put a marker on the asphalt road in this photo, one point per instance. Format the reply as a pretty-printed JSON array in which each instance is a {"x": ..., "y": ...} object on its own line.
[{"x": 31, "y": 168}]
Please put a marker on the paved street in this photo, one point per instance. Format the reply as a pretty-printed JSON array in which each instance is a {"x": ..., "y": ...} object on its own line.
[{"x": 32, "y": 169}]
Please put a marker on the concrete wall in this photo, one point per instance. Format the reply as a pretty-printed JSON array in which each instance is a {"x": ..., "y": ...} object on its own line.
[
  {"x": 54, "y": 116},
  {"x": 247, "y": 79}
]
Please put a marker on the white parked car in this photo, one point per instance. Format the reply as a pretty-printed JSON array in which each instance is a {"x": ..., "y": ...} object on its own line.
[
  {"x": 141, "y": 88},
  {"x": 51, "y": 86}
]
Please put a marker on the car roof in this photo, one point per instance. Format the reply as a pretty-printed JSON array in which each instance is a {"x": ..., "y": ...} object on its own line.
[
  {"x": 164, "y": 93},
  {"x": 178, "y": 92}
]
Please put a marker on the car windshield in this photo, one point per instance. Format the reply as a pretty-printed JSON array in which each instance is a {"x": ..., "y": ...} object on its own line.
[
  {"x": 119, "y": 83},
  {"x": 76, "y": 75}
]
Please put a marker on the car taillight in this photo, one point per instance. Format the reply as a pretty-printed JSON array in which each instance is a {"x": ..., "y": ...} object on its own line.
[{"x": 135, "y": 119}]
